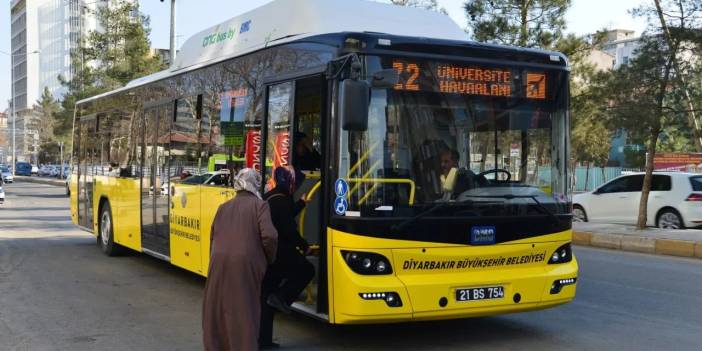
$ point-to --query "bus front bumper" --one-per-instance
(431, 295)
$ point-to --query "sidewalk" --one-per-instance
(685, 243)
(39, 180)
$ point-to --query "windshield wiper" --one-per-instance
(538, 203)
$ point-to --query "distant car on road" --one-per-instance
(23, 169)
(35, 170)
(44, 170)
(675, 201)
(220, 177)
(6, 174)
(2, 194)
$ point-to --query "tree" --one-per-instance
(526, 23)
(640, 103)
(121, 48)
(107, 59)
(425, 4)
(686, 19)
(651, 93)
(43, 116)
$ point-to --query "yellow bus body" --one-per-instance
(420, 290)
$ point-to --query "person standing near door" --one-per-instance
(244, 242)
(291, 272)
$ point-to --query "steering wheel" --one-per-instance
(496, 170)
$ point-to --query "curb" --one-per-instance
(643, 244)
(54, 182)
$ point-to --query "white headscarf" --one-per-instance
(248, 179)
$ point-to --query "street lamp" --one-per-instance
(172, 48)
(14, 105)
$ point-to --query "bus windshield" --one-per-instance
(489, 139)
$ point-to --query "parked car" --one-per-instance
(44, 171)
(675, 201)
(220, 177)
(2, 194)
(23, 169)
(66, 171)
(35, 170)
(6, 174)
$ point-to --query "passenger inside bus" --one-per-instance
(306, 157)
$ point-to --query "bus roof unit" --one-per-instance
(283, 21)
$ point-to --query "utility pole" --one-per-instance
(61, 161)
(172, 48)
(14, 116)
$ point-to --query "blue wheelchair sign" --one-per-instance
(340, 205)
(341, 187)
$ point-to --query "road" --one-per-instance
(59, 292)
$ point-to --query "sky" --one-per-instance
(585, 16)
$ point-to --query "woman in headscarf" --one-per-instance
(244, 242)
(291, 272)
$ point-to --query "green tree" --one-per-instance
(107, 59)
(43, 113)
(121, 49)
(650, 95)
(641, 103)
(526, 23)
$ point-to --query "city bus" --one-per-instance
(440, 187)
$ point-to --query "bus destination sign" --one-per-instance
(469, 80)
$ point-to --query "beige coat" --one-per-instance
(244, 241)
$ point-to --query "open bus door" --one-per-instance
(295, 134)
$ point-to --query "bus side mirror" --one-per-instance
(354, 98)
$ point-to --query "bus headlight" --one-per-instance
(367, 263)
(562, 255)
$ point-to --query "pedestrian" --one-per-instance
(243, 243)
(288, 276)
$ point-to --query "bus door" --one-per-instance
(295, 136)
(154, 180)
(85, 171)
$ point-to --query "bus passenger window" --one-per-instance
(307, 142)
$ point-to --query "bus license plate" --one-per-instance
(485, 293)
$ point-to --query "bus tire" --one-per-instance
(105, 237)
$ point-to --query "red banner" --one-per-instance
(253, 149)
(677, 161)
(282, 149)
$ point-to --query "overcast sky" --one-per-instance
(585, 16)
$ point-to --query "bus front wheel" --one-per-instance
(105, 236)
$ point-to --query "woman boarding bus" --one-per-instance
(442, 189)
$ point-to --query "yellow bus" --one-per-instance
(440, 187)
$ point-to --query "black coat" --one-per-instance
(283, 212)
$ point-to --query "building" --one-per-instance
(3, 138)
(43, 34)
(622, 44)
(164, 55)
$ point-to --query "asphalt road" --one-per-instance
(59, 292)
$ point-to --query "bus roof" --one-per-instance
(284, 21)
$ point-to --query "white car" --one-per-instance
(2, 194)
(6, 174)
(675, 201)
